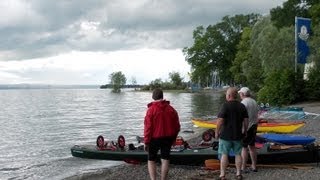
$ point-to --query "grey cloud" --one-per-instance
(54, 27)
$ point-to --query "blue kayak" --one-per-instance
(288, 139)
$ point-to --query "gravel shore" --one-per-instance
(140, 172)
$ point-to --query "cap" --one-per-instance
(244, 90)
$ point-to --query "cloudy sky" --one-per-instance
(83, 41)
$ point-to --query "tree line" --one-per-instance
(258, 51)
(252, 50)
(118, 80)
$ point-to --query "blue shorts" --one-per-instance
(225, 147)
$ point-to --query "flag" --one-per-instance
(302, 34)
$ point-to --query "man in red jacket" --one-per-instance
(161, 128)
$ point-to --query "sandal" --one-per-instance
(222, 178)
(253, 170)
(239, 177)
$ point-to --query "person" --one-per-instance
(232, 124)
(161, 128)
(249, 141)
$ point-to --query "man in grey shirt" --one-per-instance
(249, 140)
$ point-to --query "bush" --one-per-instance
(279, 88)
(312, 89)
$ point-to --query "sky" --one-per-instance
(82, 42)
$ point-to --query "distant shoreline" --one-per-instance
(46, 86)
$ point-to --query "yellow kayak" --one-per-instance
(276, 127)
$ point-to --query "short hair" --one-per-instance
(157, 94)
(232, 91)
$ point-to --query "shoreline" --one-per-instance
(183, 172)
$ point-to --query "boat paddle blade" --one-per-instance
(212, 164)
(132, 161)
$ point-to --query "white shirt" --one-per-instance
(253, 110)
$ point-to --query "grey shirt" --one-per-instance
(253, 109)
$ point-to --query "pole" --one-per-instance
(296, 44)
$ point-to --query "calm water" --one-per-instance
(38, 127)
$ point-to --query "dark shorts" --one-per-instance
(162, 144)
(250, 139)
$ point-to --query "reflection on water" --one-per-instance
(38, 127)
(206, 104)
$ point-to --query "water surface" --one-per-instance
(39, 126)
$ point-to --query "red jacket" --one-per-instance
(161, 120)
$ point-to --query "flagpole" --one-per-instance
(296, 45)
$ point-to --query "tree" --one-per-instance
(243, 54)
(117, 80)
(176, 79)
(157, 83)
(285, 16)
(214, 48)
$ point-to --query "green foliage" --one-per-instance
(314, 46)
(285, 16)
(176, 83)
(156, 84)
(273, 47)
(279, 89)
(176, 79)
(243, 54)
(214, 48)
(313, 84)
(314, 12)
(117, 80)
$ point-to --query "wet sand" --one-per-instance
(140, 172)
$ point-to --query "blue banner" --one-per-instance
(303, 29)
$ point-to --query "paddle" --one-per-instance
(214, 164)
(282, 147)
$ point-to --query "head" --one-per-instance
(231, 94)
(244, 92)
(157, 94)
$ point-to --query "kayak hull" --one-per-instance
(289, 139)
(198, 156)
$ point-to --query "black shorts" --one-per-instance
(162, 144)
(250, 139)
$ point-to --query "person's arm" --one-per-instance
(218, 129)
(245, 122)
(147, 130)
(245, 126)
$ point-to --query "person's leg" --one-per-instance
(252, 148)
(165, 148)
(238, 160)
(152, 168)
(164, 168)
(224, 162)
(223, 151)
(237, 148)
(152, 157)
(244, 155)
(253, 156)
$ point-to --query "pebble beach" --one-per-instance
(179, 172)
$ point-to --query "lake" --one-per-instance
(39, 126)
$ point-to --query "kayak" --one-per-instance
(289, 139)
(263, 126)
(282, 112)
(197, 156)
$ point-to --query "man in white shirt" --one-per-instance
(249, 140)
